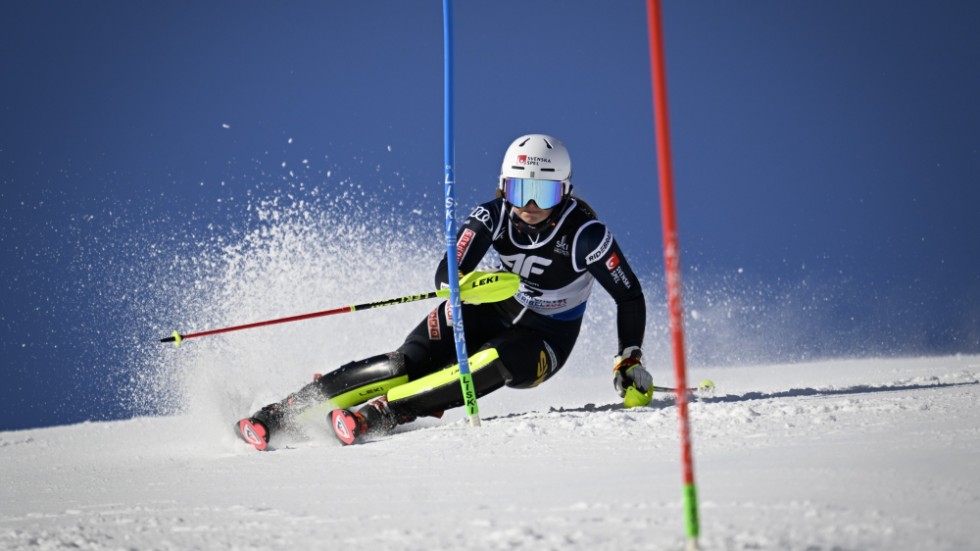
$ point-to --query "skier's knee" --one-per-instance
(524, 372)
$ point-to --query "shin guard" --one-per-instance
(441, 390)
(362, 380)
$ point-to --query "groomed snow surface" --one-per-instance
(842, 455)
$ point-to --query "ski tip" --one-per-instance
(345, 426)
(254, 433)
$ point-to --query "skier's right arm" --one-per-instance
(473, 240)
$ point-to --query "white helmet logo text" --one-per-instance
(532, 161)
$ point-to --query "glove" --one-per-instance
(631, 380)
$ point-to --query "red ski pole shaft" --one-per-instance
(474, 288)
(176, 337)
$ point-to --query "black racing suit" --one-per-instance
(532, 333)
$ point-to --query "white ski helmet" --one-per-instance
(537, 156)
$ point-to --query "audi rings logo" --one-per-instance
(482, 215)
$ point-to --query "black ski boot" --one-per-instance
(376, 417)
(257, 429)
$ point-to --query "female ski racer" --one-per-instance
(554, 242)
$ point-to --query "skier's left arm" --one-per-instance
(603, 258)
(473, 240)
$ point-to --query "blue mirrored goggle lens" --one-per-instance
(521, 191)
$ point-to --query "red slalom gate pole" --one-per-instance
(672, 263)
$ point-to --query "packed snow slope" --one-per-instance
(873, 454)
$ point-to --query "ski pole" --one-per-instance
(704, 385)
(634, 398)
(475, 288)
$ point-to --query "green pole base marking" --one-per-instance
(177, 339)
(691, 511)
(469, 394)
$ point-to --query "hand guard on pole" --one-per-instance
(631, 380)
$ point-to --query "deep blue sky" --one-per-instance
(826, 155)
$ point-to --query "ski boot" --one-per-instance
(376, 417)
(257, 429)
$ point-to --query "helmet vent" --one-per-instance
(546, 142)
(547, 170)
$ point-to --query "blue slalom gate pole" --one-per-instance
(465, 377)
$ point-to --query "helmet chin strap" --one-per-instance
(536, 230)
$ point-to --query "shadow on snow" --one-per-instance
(703, 397)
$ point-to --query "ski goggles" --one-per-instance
(521, 191)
